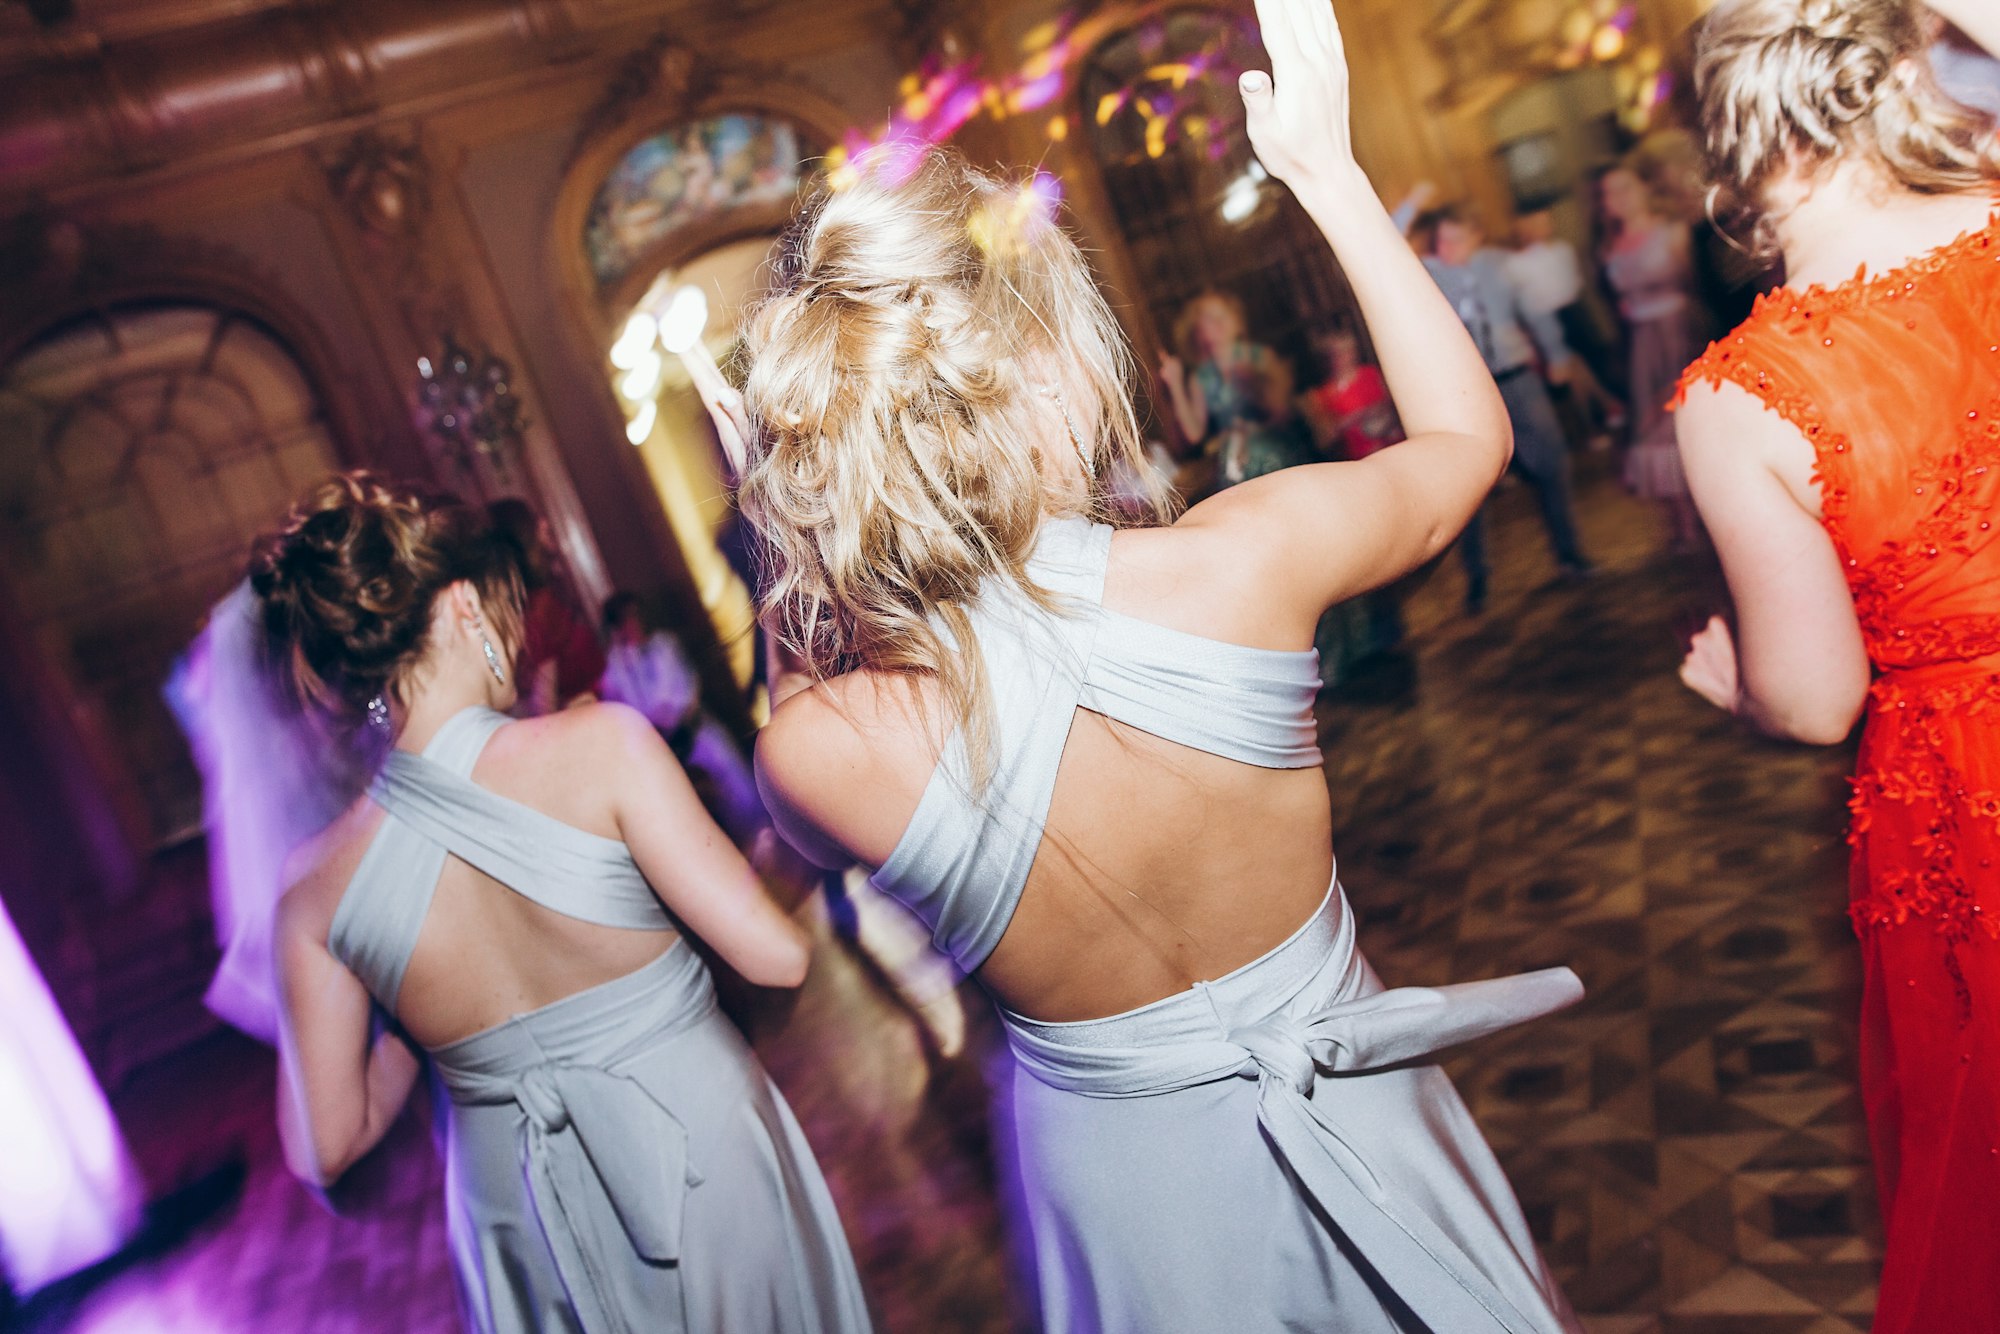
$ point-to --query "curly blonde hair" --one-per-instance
(932, 334)
(1790, 85)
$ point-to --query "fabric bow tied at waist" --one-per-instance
(1391, 1027)
(591, 1132)
(594, 1142)
(1286, 1053)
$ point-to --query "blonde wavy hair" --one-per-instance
(1791, 85)
(932, 335)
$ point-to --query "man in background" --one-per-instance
(1474, 279)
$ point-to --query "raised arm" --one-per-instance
(1798, 666)
(690, 863)
(1185, 398)
(1327, 531)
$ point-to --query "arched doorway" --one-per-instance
(142, 447)
(695, 205)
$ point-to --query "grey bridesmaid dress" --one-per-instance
(617, 1160)
(1264, 1152)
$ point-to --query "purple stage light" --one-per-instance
(69, 1195)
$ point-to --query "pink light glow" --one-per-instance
(69, 1195)
(941, 98)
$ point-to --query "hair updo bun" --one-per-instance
(347, 583)
(1795, 84)
(932, 336)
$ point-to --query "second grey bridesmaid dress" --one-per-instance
(617, 1160)
(1267, 1152)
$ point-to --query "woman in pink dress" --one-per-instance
(1648, 264)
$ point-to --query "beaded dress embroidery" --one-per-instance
(1895, 381)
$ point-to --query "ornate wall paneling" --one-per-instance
(412, 255)
(161, 400)
(181, 84)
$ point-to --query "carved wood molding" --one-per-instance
(663, 78)
(382, 183)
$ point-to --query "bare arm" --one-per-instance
(691, 864)
(1977, 19)
(1185, 397)
(1798, 666)
(1327, 531)
(338, 1092)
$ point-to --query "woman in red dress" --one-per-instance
(1351, 415)
(1843, 446)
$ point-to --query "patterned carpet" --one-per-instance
(1533, 787)
(1687, 1142)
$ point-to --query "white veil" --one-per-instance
(271, 778)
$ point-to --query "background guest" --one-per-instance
(561, 659)
(1549, 277)
(1647, 262)
(1474, 279)
(646, 669)
(1231, 397)
(1352, 416)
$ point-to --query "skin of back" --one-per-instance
(486, 953)
(1162, 866)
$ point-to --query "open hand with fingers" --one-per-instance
(1297, 115)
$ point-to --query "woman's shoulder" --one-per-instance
(843, 763)
(579, 739)
(317, 871)
(840, 722)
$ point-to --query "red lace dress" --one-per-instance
(1896, 382)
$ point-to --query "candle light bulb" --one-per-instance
(634, 341)
(684, 319)
(641, 426)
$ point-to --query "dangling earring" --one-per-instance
(1075, 436)
(378, 714)
(492, 658)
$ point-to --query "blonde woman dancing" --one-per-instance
(1087, 758)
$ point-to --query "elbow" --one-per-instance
(1827, 729)
(318, 1167)
(784, 966)
(1823, 722)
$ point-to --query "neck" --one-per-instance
(436, 702)
(1817, 231)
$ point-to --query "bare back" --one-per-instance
(1161, 865)
(486, 952)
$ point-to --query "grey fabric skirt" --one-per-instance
(1271, 1152)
